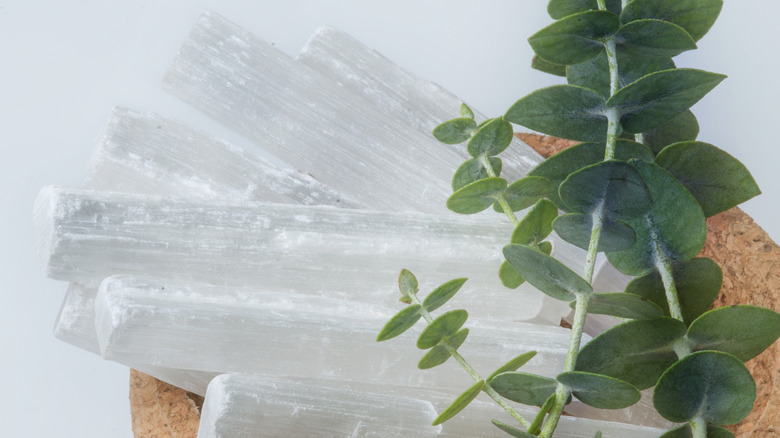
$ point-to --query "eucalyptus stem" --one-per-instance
(664, 266)
(472, 372)
(485, 161)
(593, 246)
(699, 427)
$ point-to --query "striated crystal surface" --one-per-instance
(227, 329)
(310, 122)
(86, 235)
(416, 102)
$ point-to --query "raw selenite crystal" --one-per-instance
(417, 102)
(243, 405)
(262, 406)
(227, 329)
(304, 118)
(141, 152)
(86, 235)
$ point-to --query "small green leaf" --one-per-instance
(623, 305)
(559, 166)
(545, 247)
(600, 391)
(744, 331)
(698, 284)
(718, 432)
(491, 138)
(442, 294)
(439, 354)
(472, 170)
(511, 430)
(545, 273)
(509, 277)
(710, 384)
(536, 426)
(563, 8)
(407, 283)
(594, 73)
(525, 192)
(537, 223)
(682, 127)
(477, 196)
(675, 224)
(565, 111)
(461, 402)
(513, 364)
(614, 184)
(444, 326)
(654, 38)
(695, 16)
(400, 322)
(465, 111)
(716, 179)
(528, 389)
(540, 64)
(597, 435)
(637, 352)
(576, 228)
(659, 97)
(455, 131)
(685, 431)
(575, 38)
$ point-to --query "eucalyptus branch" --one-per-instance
(501, 198)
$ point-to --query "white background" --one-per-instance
(65, 63)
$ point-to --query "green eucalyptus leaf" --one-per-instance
(594, 73)
(600, 391)
(654, 38)
(407, 283)
(509, 277)
(674, 224)
(461, 402)
(563, 8)
(637, 352)
(528, 389)
(716, 179)
(525, 192)
(685, 431)
(698, 283)
(660, 96)
(513, 364)
(597, 435)
(565, 111)
(744, 331)
(465, 111)
(614, 187)
(439, 354)
(537, 223)
(695, 16)
(445, 325)
(442, 294)
(491, 138)
(682, 127)
(575, 38)
(537, 63)
(477, 196)
(545, 273)
(455, 131)
(536, 425)
(472, 170)
(710, 384)
(512, 431)
(559, 166)
(623, 305)
(400, 322)
(576, 229)
(545, 247)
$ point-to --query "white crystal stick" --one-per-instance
(225, 329)
(302, 117)
(140, 152)
(260, 406)
(86, 235)
(415, 101)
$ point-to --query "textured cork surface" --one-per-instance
(751, 275)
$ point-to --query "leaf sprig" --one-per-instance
(638, 189)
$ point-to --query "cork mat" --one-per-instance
(751, 275)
